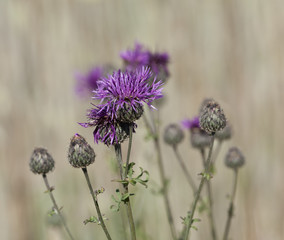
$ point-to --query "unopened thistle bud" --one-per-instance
(173, 134)
(212, 118)
(199, 138)
(128, 114)
(41, 161)
(225, 133)
(80, 153)
(234, 158)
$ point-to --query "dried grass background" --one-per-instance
(230, 50)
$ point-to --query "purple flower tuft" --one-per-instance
(159, 62)
(138, 57)
(88, 82)
(122, 96)
(191, 123)
(135, 58)
(127, 89)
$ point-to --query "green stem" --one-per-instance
(96, 203)
(117, 148)
(56, 206)
(206, 172)
(129, 150)
(231, 207)
(217, 151)
(165, 188)
(185, 171)
(210, 198)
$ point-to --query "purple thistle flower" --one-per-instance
(139, 57)
(88, 82)
(122, 96)
(158, 63)
(128, 90)
(191, 123)
(135, 58)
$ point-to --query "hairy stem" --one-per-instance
(56, 206)
(204, 177)
(129, 150)
(125, 187)
(96, 203)
(210, 198)
(231, 207)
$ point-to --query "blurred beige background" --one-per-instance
(230, 50)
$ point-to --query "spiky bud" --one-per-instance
(129, 114)
(199, 138)
(41, 161)
(234, 158)
(80, 153)
(173, 134)
(225, 133)
(212, 118)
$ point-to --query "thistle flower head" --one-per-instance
(139, 56)
(135, 58)
(127, 92)
(158, 63)
(173, 134)
(234, 158)
(86, 83)
(212, 117)
(80, 153)
(121, 96)
(41, 161)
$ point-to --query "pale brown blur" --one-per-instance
(230, 50)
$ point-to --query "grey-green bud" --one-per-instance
(225, 133)
(173, 134)
(212, 118)
(234, 158)
(199, 138)
(80, 153)
(41, 161)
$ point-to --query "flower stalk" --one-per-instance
(210, 198)
(49, 190)
(231, 207)
(203, 179)
(117, 148)
(84, 169)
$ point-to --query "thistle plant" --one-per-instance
(122, 96)
(42, 162)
